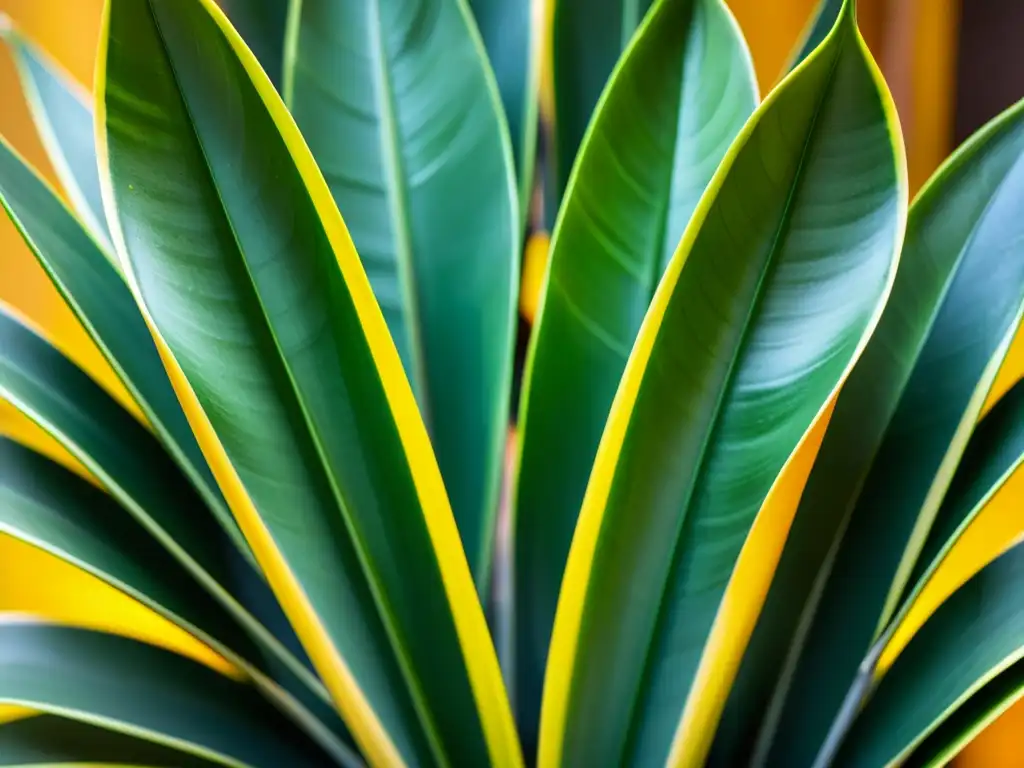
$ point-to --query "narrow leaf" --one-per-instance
(750, 334)
(51, 740)
(975, 635)
(900, 427)
(130, 687)
(818, 27)
(94, 290)
(681, 95)
(509, 33)
(588, 38)
(62, 111)
(267, 325)
(261, 23)
(402, 115)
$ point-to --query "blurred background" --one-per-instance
(951, 64)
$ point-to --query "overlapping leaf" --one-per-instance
(680, 96)
(402, 115)
(269, 330)
(899, 429)
(796, 240)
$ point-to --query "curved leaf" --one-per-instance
(96, 293)
(49, 507)
(509, 34)
(401, 113)
(779, 280)
(900, 427)
(62, 113)
(131, 465)
(975, 635)
(588, 37)
(281, 357)
(51, 740)
(130, 687)
(683, 91)
(818, 27)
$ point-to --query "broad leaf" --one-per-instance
(281, 358)
(683, 91)
(94, 290)
(61, 109)
(509, 33)
(402, 116)
(51, 740)
(899, 429)
(131, 687)
(975, 635)
(588, 38)
(779, 280)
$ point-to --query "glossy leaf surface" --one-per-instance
(976, 634)
(262, 24)
(900, 427)
(94, 290)
(681, 95)
(401, 113)
(509, 33)
(62, 113)
(796, 238)
(588, 38)
(280, 355)
(131, 687)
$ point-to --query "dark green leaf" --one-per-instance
(824, 19)
(682, 93)
(62, 111)
(262, 24)
(94, 290)
(131, 687)
(509, 32)
(779, 280)
(588, 38)
(897, 434)
(234, 247)
(976, 634)
(402, 116)
(50, 740)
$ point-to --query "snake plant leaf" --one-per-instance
(818, 26)
(509, 34)
(62, 112)
(993, 454)
(900, 427)
(588, 37)
(50, 507)
(130, 687)
(971, 718)
(717, 395)
(133, 467)
(50, 740)
(681, 95)
(93, 288)
(402, 115)
(280, 355)
(262, 24)
(971, 638)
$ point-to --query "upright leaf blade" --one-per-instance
(900, 427)
(588, 38)
(62, 113)
(267, 325)
(401, 113)
(262, 24)
(818, 27)
(681, 95)
(748, 338)
(509, 33)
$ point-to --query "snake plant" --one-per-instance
(760, 416)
